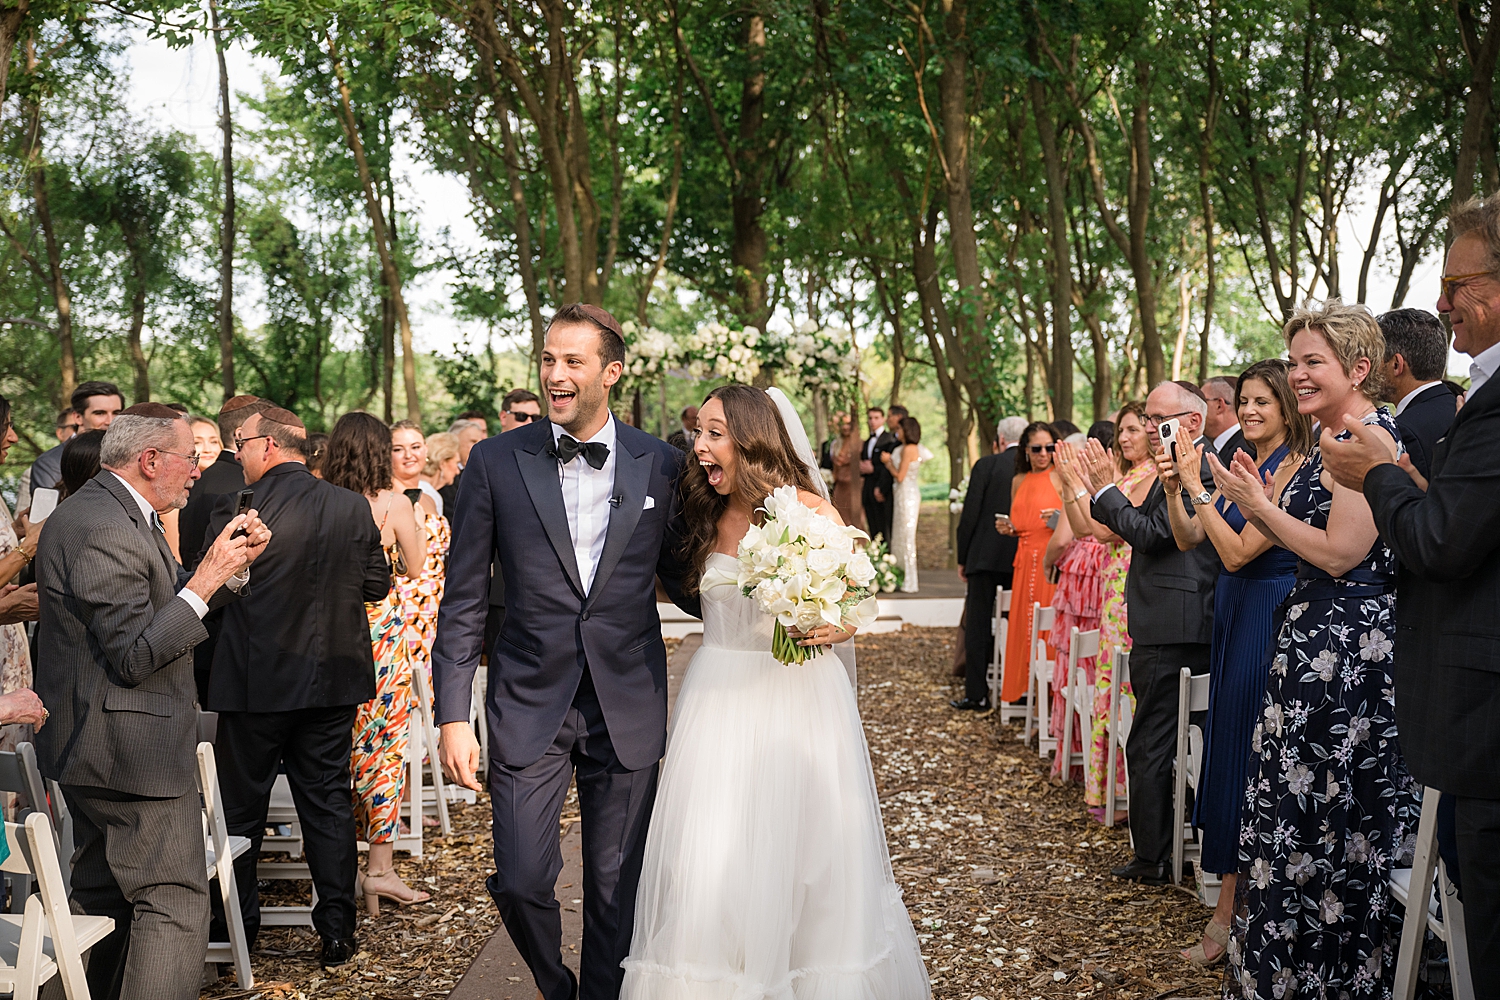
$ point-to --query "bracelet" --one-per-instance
(1080, 494)
(1170, 493)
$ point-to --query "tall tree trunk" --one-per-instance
(380, 233)
(226, 221)
(11, 20)
(1057, 236)
(669, 215)
(1184, 315)
(751, 243)
(67, 364)
(133, 338)
(387, 350)
(1482, 51)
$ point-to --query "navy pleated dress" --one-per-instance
(1245, 604)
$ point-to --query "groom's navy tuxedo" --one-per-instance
(577, 679)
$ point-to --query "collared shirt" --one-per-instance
(586, 494)
(1483, 367)
(437, 498)
(199, 606)
(1223, 439)
(1406, 399)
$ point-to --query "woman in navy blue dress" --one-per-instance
(1256, 578)
(1329, 808)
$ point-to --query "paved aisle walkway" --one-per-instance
(498, 973)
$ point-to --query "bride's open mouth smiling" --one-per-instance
(714, 472)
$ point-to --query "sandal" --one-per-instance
(1219, 935)
(373, 896)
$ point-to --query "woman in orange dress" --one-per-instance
(1035, 494)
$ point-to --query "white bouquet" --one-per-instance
(803, 568)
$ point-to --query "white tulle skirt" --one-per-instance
(766, 873)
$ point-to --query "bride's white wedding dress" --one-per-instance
(766, 874)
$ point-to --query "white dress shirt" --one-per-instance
(1406, 399)
(1223, 439)
(437, 498)
(1483, 367)
(586, 493)
(200, 608)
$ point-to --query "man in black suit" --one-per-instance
(519, 408)
(584, 512)
(1447, 541)
(1222, 425)
(1416, 358)
(985, 557)
(1171, 599)
(292, 663)
(118, 618)
(875, 492)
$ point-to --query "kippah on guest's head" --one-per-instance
(277, 415)
(239, 402)
(157, 411)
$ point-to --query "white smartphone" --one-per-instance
(1167, 432)
(43, 503)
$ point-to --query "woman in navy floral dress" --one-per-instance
(1329, 807)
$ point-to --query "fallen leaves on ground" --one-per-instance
(1004, 874)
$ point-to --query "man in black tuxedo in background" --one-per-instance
(876, 489)
(519, 408)
(1416, 358)
(1222, 425)
(1447, 541)
(986, 558)
(292, 663)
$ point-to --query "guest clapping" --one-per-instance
(1256, 578)
(1329, 804)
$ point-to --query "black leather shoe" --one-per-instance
(967, 705)
(1143, 872)
(337, 952)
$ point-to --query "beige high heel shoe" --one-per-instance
(1219, 935)
(373, 896)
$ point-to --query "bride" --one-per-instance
(766, 875)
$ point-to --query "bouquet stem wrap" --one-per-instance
(786, 649)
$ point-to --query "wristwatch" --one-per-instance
(1201, 499)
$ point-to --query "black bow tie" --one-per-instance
(596, 453)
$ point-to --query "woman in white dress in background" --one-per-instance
(766, 874)
(903, 463)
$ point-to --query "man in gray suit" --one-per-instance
(1170, 594)
(119, 620)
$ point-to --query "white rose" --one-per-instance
(824, 562)
(860, 569)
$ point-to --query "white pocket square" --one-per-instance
(650, 503)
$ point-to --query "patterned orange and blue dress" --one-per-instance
(402, 628)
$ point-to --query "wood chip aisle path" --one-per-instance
(1003, 873)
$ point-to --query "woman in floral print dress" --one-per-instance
(1329, 806)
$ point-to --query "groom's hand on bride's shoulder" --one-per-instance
(458, 751)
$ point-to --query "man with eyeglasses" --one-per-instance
(517, 409)
(1170, 594)
(1445, 532)
(119, 619)
(292, 662)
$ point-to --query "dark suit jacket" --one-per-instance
(1424, 420)
(882, 478)
(224, 476)
(1170, 593)
(1448, 601)
(511, 505)
(302, 640)
(114, 653)
(1235, 443)
(982, 549)
(449, 494)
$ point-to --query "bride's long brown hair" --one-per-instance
(767, 460)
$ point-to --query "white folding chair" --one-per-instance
(283, 812)
(437, 794)
(1121, 714)
(220, 850)
(1449, 927)
(1039, 681)
(47, 939)
(1078, 704)
(1000, 630)
(479, 720)
(1192, 696)
(19, 775)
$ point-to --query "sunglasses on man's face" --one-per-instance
(1037, 449)
(524, 418)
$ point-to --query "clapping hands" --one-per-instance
(1242, 483)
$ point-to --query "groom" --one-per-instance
(583, 513)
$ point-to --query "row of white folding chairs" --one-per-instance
(1443, 914)
(1039, 682)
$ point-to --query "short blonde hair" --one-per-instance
(440, 448)
(1351, 331)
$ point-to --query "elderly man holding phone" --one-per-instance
(1170, 594)
(119, 620)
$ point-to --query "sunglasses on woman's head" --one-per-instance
(1037, 449)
